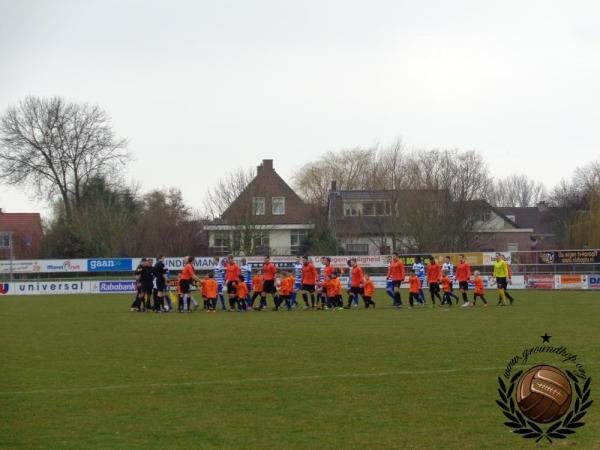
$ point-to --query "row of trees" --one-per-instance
(116, 221)
(463, 174)
(436, 194)
(71, 156)
(574, 203)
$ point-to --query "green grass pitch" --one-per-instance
(82, 372)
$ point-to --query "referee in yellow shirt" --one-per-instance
(501, 275)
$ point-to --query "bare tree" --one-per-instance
(350, 168)
(516, 191)
(57, 146)
(226, 190)
(576, 207)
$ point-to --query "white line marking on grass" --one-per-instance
(235, 381)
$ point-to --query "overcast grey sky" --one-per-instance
(201, 87)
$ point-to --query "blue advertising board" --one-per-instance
(116, 286)
(594, 281)
(109, 265)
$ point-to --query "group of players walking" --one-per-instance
(236, 288)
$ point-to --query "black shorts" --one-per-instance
(308, 287)
(434, 287)
(230, 287)
(160, 286)
(501, 283)
(357, 290)
(396, 283)
(147, 288)
(269, 287)
(464, 285)
(185, 286)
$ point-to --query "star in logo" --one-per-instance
(545, 338)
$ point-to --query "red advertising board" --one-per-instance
(540, 281)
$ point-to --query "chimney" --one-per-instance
(259, 169)
(333, 186)
(542, 206)
(267, 164)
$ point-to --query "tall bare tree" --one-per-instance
(57, 147)
(576, 207)
(349, 167)
(516, 191)
(226, 190)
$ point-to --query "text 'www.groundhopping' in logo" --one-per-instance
(548, 400)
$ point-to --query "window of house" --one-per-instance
(383, 209)
(278, 206)
(297, 238)
(376, 209)
(368, 209)
(512, 247)
(258, 206)
(357, 249)
(5, 240)
(351, 209)
(221, 242)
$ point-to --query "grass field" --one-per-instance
(81, 372)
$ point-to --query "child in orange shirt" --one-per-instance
(414, 288)
(212, 291)
(257, 287)
(334, 292)
(479, 289)
(286, 287)
(202, 286)
(241, 293)
(446, 288)
(369, 291)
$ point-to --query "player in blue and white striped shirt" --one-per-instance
(297, 281)
(419, 269)
(321, 297)
(246, 272)
(449, 267)
(219, 271)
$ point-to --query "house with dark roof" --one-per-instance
(25, 231)
(268, 217)
(542, 219)
(379, 222)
